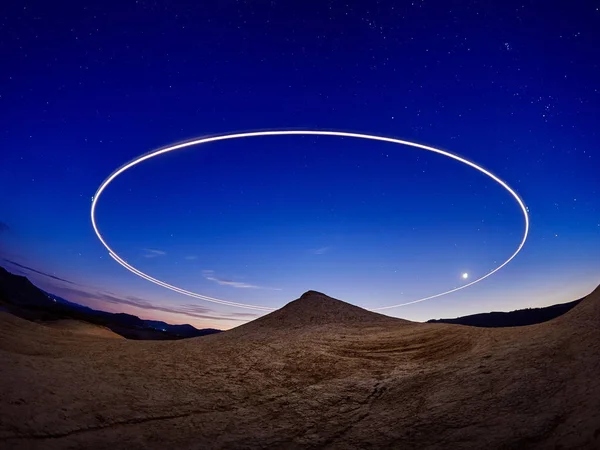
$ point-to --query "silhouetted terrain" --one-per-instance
(518, 318)
(22, 298)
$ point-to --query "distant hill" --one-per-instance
(518, 318)
(182, 330)
(22, 298)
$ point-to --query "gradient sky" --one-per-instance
(512, 86)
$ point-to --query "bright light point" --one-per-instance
(465, 275)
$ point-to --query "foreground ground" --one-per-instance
(318, 373)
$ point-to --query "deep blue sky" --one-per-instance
(513, 86)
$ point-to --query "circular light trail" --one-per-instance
(205, 140)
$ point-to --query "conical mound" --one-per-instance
(316, 309)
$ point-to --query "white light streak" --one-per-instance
(205, 140)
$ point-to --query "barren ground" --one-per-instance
(317, 373)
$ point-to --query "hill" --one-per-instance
(517, 318)
(315, 309)
(22, 298)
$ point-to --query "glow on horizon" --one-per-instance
(205, 140)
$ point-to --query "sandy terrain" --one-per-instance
(317, 373)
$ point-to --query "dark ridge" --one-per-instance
(517, 318)
(22, 298)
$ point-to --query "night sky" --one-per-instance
(512, 86)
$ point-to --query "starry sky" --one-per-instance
(512, 86)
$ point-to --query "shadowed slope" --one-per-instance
(19, 289)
